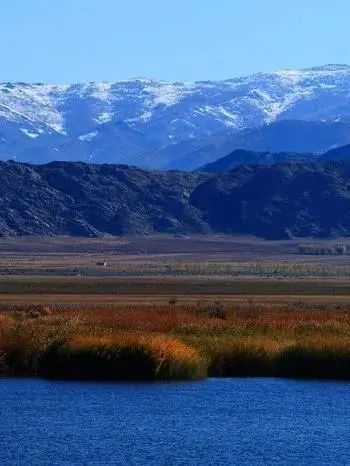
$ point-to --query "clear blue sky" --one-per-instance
(63, 41)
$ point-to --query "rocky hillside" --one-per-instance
(89, 200)
(279, 201)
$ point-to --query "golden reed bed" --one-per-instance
(176, 341)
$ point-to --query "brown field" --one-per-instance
(156, 268)
(208, 256)
(172, 307)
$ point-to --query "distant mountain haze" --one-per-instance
(158, 124)
(244, 157)
(291, 136)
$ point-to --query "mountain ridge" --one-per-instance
(78, 199)
(245, 157)
(49, 119)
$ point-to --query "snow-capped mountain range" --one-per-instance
(130, 121)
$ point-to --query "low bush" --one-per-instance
(307, 361)
(122, 357)
(240, 360)
(214, 310)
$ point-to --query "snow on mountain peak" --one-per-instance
(46, 115)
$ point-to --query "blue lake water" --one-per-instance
(214, 422)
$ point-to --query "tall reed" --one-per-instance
(176, 341)
(122, 356)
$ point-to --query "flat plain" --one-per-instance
(172, 307)
(158, 268)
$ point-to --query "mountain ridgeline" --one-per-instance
(278, 201)
(266, 154)
(164, 125)
(241, 156)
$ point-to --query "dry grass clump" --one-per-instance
(241, 357)
(123, 356)
(26, 335)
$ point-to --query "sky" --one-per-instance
(65, 41)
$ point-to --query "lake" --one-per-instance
(214, 422)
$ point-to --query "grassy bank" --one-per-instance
(175, 341)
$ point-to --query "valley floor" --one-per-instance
(171, 308)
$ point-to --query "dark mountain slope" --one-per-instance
(241, 156)
(275, 201)
(82, 199)
(340, 153)
(278, 201)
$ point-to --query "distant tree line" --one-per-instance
(322, 250)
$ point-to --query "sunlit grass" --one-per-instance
(122, 356)
(176, 341)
